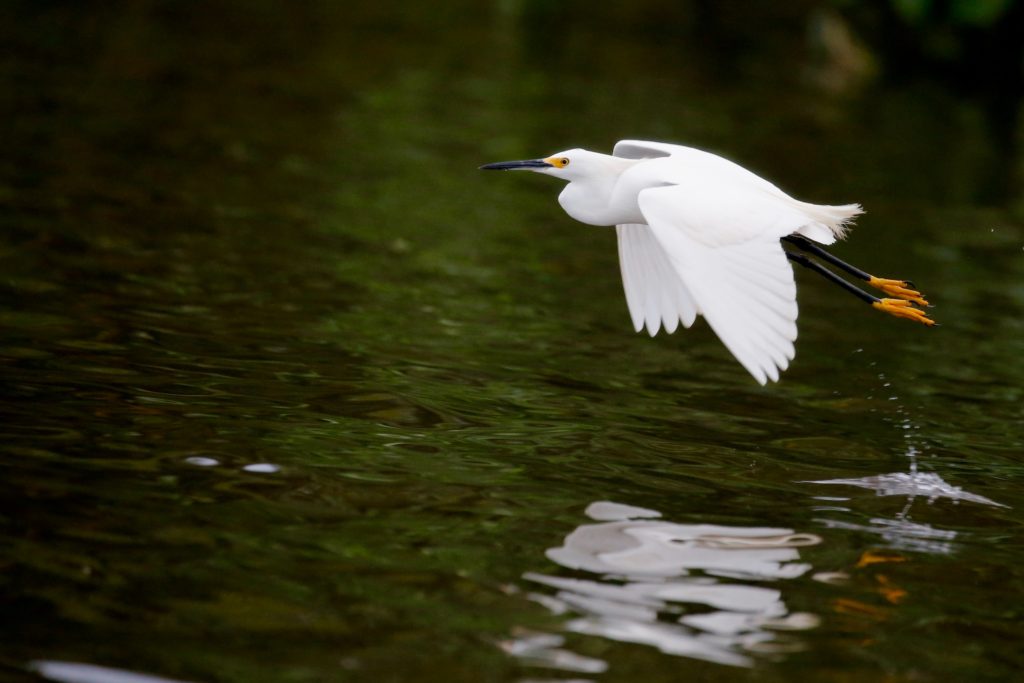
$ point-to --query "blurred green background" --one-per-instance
(253, 233)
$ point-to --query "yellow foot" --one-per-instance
(901, 289)
(902, 308)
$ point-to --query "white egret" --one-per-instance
(699, 234)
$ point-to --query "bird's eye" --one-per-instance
(563, 162)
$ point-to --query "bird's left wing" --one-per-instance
(644, 149)
(727, 253)
(682, 165)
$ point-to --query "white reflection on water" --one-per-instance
(545, 649)
(77, 672)
(902, 534)
(662, 584)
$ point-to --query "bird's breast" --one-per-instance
(601, 206)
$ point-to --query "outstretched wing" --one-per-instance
(654, 292)
(727, 253)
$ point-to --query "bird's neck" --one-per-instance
(590, 200)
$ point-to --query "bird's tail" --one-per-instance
(831, 223)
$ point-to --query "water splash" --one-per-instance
(913, 484)
(901, 532)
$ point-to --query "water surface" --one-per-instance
(291, 392)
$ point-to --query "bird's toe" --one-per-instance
(899, 289)
(902, 308)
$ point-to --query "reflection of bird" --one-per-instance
(699, 234)
(722, 586)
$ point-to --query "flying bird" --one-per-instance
(701, 235)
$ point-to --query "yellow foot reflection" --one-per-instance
(901, 289)
(902, 308)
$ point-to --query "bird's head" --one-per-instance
(571, 164)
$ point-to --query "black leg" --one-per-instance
(901, 289)
(900, 308)
(804, 244)
(830, 276)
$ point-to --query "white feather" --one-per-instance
(654, 291)
(697, 234)
(744, 285)
(819, 222)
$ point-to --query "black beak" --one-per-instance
(515, 165)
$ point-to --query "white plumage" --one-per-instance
(697, 234)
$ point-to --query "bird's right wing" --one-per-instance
(654, 292)
(727, 253)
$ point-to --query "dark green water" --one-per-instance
(254, 235)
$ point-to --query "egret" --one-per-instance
(699, 234)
